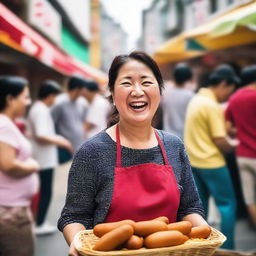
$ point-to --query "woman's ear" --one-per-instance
(9, 99)
(112, 96)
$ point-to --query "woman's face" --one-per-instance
(20, 103)
(136, 93)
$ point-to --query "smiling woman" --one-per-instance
(131, 170)
(135, 87)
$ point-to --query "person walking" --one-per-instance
(241, 117)
(176, 99)
(98, 110)
(69, 116)
(18, 171)
(205, 140)
(44, 143)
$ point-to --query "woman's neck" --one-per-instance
(139, 137)
(8, 114)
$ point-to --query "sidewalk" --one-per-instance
(56, 245)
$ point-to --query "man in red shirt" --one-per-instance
(241, 116)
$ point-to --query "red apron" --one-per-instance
(145, 191)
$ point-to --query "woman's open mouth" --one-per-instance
(138, 105)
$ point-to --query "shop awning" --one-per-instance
(175, 50)
(235, 27)
(18, 35)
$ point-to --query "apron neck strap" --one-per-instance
(118, 148)
(162, 148)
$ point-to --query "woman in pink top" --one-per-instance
(18, 178)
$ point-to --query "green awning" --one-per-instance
(245, 17)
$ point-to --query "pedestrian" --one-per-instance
(18, 171)
(44, 143)
(241, 117)
(154, 174)
(69, 117)
(205, 140)
(176, 99)
(98, 110)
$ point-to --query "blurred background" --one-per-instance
(55, 39)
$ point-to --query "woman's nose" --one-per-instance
(137, 90)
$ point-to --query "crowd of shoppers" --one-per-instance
(28, 153)
(44, 144)
(212, 133)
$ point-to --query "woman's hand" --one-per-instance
(32, 165)
(63, 142)
(69, 233)
(72, 250)
(195, 219)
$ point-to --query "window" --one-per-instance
(213, 6)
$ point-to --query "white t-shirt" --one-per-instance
(97, 115)
(41, 124)
(174, 102)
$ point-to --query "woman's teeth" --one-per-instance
(138, 105)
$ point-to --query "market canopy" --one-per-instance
(18, 35)
(175, 50)
(233, 28)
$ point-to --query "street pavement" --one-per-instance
(55, 245)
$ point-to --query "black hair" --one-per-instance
(182, 73)
(248, 75)
(91, 85)
(47, 88)
(215, 80)
(10, 86)
(223, 72)
(75, 82)
(118, 62)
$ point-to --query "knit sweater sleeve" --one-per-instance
(189, 197)
(80, 205)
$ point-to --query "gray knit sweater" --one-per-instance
(91, 178)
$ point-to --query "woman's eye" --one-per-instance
(126, 83)
(147, 83)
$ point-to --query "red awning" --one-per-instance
(17, 34)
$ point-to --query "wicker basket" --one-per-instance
(85, 240)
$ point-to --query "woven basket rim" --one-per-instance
(190, 244)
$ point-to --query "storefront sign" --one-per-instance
(45, 18)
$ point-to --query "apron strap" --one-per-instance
(162, 148)
(118, 148)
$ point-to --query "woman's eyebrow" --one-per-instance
(126, 77)
(145, 77)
